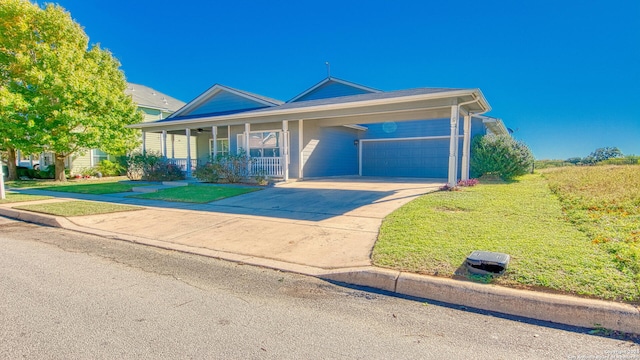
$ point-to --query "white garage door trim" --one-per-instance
(360, 142)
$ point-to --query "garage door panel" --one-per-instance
(406, 158)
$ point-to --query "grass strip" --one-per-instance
(435, 233)
(77, 208)
(95, 188)
(198, 194)
(12, 197)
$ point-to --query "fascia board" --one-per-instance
(396, 100)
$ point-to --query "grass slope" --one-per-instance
(77, 208)
(15, 197)
(435, 233)
(199, 194)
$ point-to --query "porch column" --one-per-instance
(453, 145)
(466, 147)
(300, 149)
(247, 130)
(188, 133)
(144, 142)
(214, 137)
(285, 148)
(173, 146)
(164, 143)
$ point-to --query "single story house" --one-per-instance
(334, 128)
(154, 106)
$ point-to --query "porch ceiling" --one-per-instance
(423, 107)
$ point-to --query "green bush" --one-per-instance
(152, 167)
(110, 168)
(500, 155)
(209, 172)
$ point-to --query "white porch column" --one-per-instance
(144, 142)
(188, 133)
(285, 149)
(466, 147)
(164, 143)
(247, 130)
(453, 145)
(214, 137)
(173, 146)
(2, 193)
(300, 149)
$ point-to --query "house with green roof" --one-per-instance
(333, 128)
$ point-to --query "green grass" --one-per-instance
(77, 208)
(435, 233)
(199, 194)
(604, 203)
(94, 188)
(12, 197)
(39, 183)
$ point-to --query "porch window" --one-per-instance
(264, 144)
(222, 144)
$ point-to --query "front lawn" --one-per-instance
(199, 194)
(77, 208)
(435, 233)
(97, 188)
(12, 197)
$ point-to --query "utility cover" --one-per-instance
(487, 263)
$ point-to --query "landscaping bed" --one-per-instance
(435, 233)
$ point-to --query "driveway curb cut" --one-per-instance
(561, 309)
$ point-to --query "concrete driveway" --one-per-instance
(325, 223)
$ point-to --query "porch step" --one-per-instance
(148, 189)
(175, 183)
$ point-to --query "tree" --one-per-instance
(500, 155)
(602, 154)
(72, 95)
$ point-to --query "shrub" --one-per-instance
(152, 167)
(500, 155)
(468, 183)
(48, 172)
(110, 168)
(209, 172)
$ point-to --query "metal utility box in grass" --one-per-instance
(487, 263)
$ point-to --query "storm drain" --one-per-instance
(487, 263)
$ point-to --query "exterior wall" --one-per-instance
(80, 162)
(225, 102)
(329, 151)
(332, 89)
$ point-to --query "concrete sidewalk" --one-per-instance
(321, 229)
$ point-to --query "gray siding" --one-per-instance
(224, 102)
(329, 151)
(332, 89)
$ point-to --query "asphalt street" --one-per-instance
(69, 295)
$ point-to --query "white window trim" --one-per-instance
(211, 145)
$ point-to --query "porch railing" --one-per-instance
(269, 166)
(182, 163)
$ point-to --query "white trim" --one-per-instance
(300, 147)
(357, 127)
(218, 151)
(466, 147)
(188, 137)
(479, 98)
(164, 143)
(452, 178)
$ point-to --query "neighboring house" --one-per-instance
(334, 128)
(153, 104)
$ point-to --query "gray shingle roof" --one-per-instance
(145, 96)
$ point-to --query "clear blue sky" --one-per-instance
(565, 75)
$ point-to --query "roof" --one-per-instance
(339, 100)
(147, 97)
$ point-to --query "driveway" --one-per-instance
(325, 223)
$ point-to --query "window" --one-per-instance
(222, 145)
(264, 144)
(97, 156)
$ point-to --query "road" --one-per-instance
(70, 295)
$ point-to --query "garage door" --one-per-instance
(406, 158)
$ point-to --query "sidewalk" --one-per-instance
(335, 248)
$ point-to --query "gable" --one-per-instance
(223, 102)
(332, 87)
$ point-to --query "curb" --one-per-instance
(562, 309)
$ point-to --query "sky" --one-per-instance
(563, 74)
